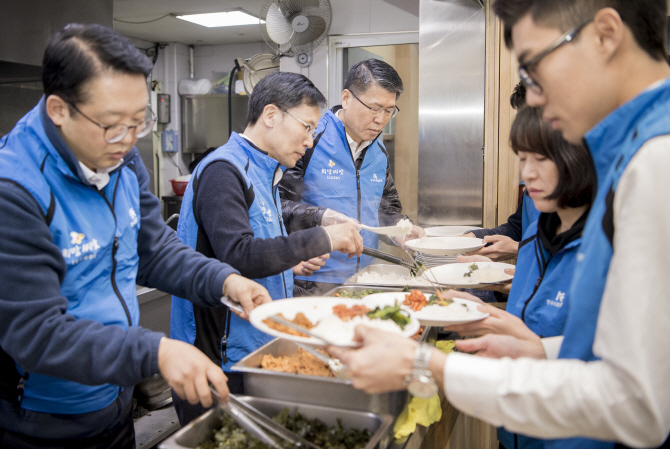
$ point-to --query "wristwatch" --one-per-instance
(421, 383)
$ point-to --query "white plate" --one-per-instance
(445, 246)
(452, 275)
(436, 315)
(449, 231)
(316, 309)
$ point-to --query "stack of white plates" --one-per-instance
(432, 260)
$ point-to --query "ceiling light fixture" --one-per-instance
(221, 19)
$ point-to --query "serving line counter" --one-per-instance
(331, 397)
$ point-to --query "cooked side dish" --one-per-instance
(347, 313)
(416, 300)
(231, 436)
(300, 319)
(301, 362)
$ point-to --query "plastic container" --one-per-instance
(179, 187)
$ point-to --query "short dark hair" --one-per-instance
(576, 172)
(647, 19)
(285, 90)
(79, 53)
(373, 71)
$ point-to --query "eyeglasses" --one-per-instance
(526, 68)
(116, 133)
(309, 130)
(388, 113)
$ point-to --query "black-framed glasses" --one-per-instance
(388, 113)
(310, 131)
(527, 67)
(116, 133)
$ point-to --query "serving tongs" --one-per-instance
(257, 423)
(339, 369)
(414, 266)
(235, 306)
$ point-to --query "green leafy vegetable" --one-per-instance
(472, 269)
(231, 436)
(435, 300)
(407, 288)
(393, 313)
(357, 295)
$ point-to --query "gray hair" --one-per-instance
(373, 71)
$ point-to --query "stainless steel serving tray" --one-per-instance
(202, 428)
(384, 269)
(355, 288)
(318, 390)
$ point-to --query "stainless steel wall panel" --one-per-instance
(205, 120)
(452, 39)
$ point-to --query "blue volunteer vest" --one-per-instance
(612, 143)
(258, 170)
(331, 180)
(544, 309)
(86, 224)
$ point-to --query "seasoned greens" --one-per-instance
(231, 436)
(357, 295)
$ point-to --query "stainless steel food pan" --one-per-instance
(326, 391)
(383, 269)
(202, 428)
(360, 287)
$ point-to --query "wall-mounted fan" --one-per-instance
(295, 26)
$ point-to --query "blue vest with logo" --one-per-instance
(258, 170)
(331, 180)
(543, 308)
(612, 143)
(96, 232)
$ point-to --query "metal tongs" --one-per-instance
(414, 266)
(257, 423)
(339, 369)
(232, 305)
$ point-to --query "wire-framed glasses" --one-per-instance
(526, 68)
(389, 113)
(309, 130)
(116, 133)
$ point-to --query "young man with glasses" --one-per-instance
(231, 211)
(599, 70)
(345, 175)
(80, 229)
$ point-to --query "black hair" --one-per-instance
(79, 53)
(373, 71)
(285, 90)
(576, 172)
(647, 19)
(518, 97)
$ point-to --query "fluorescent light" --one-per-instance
(221, 19)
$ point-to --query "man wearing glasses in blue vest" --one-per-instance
(345, 175)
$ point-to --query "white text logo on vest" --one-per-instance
(80, 251)
(558, 302)
(376, 179)
(267, 213)
(133, 216)
(331, 173)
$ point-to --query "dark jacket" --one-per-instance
(71, 256)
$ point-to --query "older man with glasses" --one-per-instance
(345, 175)
(79, 230)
